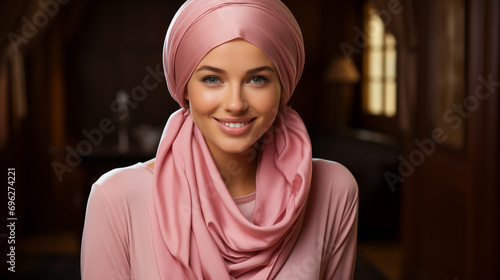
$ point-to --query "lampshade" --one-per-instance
(342, 70)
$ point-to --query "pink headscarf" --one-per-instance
(198, 230)
(199, 26)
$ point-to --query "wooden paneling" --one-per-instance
(484, 60)
(450, 212)
(118, 44)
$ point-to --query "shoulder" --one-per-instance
(116, 229)
(123, 185)
(333, 181)
(334, 174)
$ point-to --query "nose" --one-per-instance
(234, 99)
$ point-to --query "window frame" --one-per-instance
(366, 120)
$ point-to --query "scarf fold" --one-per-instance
(199, 231)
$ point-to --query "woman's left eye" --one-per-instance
(258, 80)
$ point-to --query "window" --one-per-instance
(379, 67)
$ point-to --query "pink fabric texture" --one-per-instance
(197, 221)
(117, 239)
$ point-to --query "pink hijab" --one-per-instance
(198, 230)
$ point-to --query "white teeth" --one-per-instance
(234, 125)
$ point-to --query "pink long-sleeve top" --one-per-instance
(117, 239)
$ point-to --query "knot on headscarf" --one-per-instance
(200, 26)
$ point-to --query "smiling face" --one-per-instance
(234, 96)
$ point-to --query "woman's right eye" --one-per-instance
(211, 80)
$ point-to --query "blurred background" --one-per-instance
(404, 93)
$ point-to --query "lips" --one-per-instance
(235, 126)
(233, 122)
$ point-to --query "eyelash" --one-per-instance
(206, 78)
(264, 79)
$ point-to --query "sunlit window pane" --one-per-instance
(374, 28)
(390, 63)
(390, 99)
(375, 98)
(390, 40)
(376, 64)
(380, 67)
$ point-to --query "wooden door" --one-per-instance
(450, 224)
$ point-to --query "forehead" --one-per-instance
(235, 54)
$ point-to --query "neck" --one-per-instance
(238, 170)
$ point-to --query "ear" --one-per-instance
(186, 98)
(186, 95)
(282, 97)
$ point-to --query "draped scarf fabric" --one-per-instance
(198, 230)
(199, 223)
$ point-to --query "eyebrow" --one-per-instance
(220, 71)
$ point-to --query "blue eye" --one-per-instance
(211, 80)
(258, 80)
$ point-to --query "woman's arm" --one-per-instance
(105, 240)
(343, 254)
(343, 202)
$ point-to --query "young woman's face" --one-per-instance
(234, 96)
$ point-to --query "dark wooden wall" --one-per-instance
(450, 224)
(92, 49)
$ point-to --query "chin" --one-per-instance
(234, 148)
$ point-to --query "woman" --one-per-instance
(233, 192)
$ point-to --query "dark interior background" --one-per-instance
(441, 220)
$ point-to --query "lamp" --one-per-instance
(341, 74)
(342, 70)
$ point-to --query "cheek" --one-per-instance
(277, 99)
(269, 104)
(200, 102)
